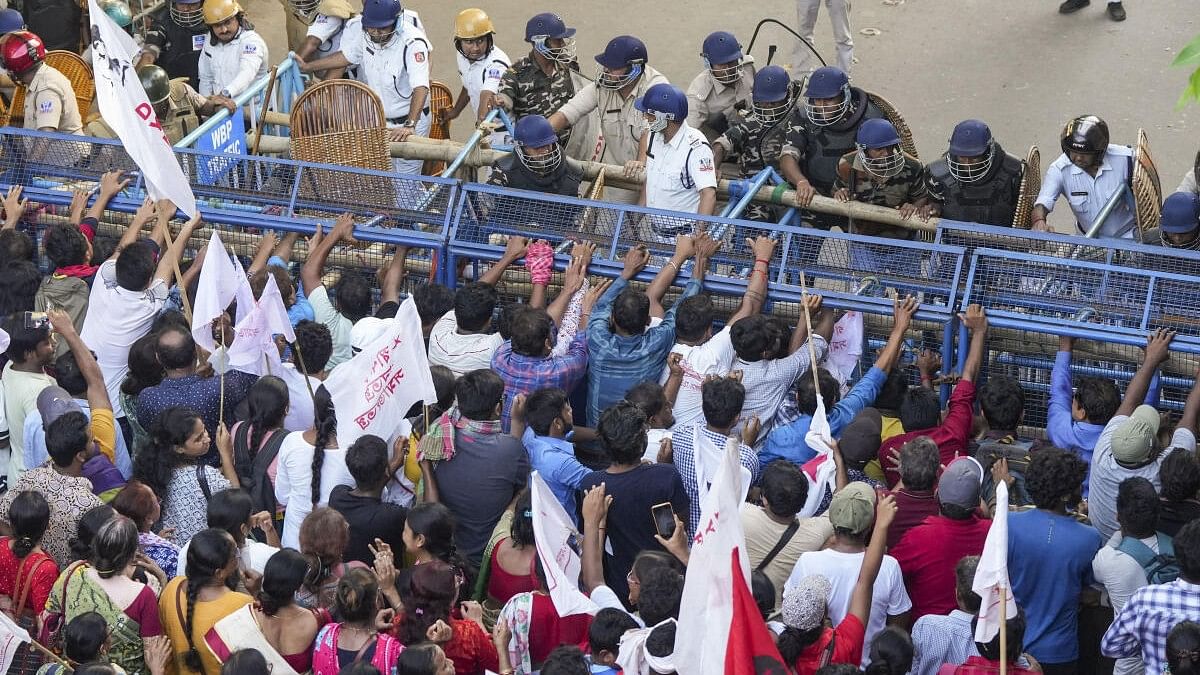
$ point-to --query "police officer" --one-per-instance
(1179, 226)
(393, 59)
(537, 162)
(1088, 172)
(10, 21)
(481, 65)
(975, 181)
(177, 105)
(234, 55)
(757, 139)
(717, 94)
(609, 101)
(820, 133)
(327, 21)
(50, 103)
(680, 174)
(543, 81)
(175, 40)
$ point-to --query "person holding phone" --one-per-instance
(636, 489)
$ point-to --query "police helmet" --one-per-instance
(10, 21)
(118, 11)
(826, 83)
(772, 85)
(1180, 213)
(190, 15)
(156, 82)
(621, 51)
(875, 134)
(666, 102)
(971, 138)
(534, 131)
(1087, 134)
(549, 26)
(719, 48)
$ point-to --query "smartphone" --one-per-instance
(664, 519)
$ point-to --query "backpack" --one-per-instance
(1161, 567)
(1017, 452)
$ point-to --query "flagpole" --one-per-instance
(224, 367)
(300, 358)
(187, 304)
(812, 350)
(1003, 630)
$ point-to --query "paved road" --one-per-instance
(1016, 64)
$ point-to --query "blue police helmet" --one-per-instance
(971, 138)
(622, 51)
(826, 82)
(771, 85)
(1180, 213)
(380, 13)
(664, 99)
(10, 21)
(877, 133)
(721, 47)
(534, 131)
(547, 25)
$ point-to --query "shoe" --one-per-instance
(1072, 6)
(1116, 11)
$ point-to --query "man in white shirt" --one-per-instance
(392, 54)
(1128, 446)
(680, 175)
(481, 66)
(1118, 571)
(234, 55)
(852, 513)
(462, 339)
(311, 274)
(30, 350)
(1088, 173)
(706, 354)
(327, 21)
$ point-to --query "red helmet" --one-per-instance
(21, 50)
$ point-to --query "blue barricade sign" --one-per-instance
(229, 137)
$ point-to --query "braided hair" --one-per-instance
(29, 515)
(208, 553)
(435, 522)
(267, 403)
(325, 424)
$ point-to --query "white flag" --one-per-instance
(11, 638)
(253, 349)
(219, 284)
(992, 574)
(374, 390)
(553, 534)
(125, 108)
(845, 348)
(706, 610)
(274, 311)
(4, 340)
(821, 471)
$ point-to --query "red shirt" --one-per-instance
(928, 555)
(471, 649)
(912, 508)
(847, 647)
(951, 436)
(547, 630)
(34, 574)
(977, 665)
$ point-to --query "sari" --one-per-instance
(85, 595)
(240, 630)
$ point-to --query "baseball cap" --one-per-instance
(961, 483)
(861, 438)
(53, 403)
(804, 604)
(1133, 440)
(1180, 213)
(853, 507)
(364, 332)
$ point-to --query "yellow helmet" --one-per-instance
(471, 24)
(216, 11)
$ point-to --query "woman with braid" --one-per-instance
(191, 605)
(310, 465)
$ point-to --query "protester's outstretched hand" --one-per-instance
(1158, 346)
(112, 183)
(595, 505)
(593, 296)
(974, 318)
(635, 261)
(14, 206)
(903, 312)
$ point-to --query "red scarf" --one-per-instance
(79, 271)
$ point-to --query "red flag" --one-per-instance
(751, 650)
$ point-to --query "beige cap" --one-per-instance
(1133, 440)
(853, 507)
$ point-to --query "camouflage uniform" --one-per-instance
(906, 187)
(526, 90)
(182, 118)
(756, 146)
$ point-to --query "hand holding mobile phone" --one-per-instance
(664, 519)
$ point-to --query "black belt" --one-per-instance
(397, 121)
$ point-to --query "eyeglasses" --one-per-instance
(631, 580)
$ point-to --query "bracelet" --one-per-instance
(763, 261)
(672, 263)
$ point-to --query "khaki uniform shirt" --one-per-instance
(707, 97)
(620, 122)
(50, 102)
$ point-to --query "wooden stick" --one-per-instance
(266, 102)
(187, 305)
(1003, 631)
(224, 366)
(304, 369)
(812, 350)
(49, 654)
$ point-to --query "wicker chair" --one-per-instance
(440, 98)
(76, 70)
(342, 122)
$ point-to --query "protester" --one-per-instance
(310, 465)
(257, 439)
(948, 638)
(323, 540)
(137, 502)
(1179, 476)
(231, 510)
(510, 570)
(914, 492)
(355, 638)
(368, 516)
(432, 597)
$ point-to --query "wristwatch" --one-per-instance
(411, 124)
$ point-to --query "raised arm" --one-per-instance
(283, 250)
(266, 244)
(595, 524)
(1191, 408)
(902, 313)
(514, 250)
(111, 185)
(97, 393)
(14, 206)
(581, 252)
(1158, 349)
(822, 320)
(976, 322)
(685, 247)
(314, 266)
(393, 277)
(170, 260)
(705, 249)
(143, 215)
(756, 292)
(860, 599)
